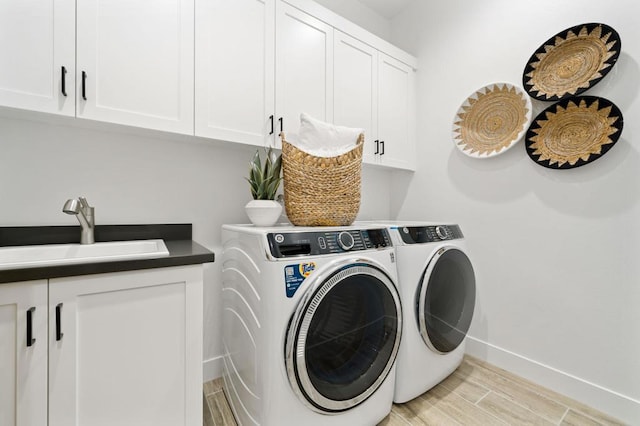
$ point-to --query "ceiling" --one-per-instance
(387, 8)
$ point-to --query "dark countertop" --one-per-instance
(177, 237)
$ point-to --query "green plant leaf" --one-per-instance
(277, 166)
(256, 159)
(272, 188)
(253, 187)
(264, 180)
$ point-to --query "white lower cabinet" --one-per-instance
(124, 348)
(23, 353)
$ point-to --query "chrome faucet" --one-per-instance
(85, 214)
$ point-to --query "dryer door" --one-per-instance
(344, 336)
(446, 298)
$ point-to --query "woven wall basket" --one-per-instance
(571, 62)
(321, 191)
(574, 132)
(491, 120)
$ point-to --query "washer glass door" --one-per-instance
(344, 337)
(445, 299)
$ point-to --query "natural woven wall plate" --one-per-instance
(571, 62)
(574, 132)
(491, 120)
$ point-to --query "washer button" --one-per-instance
(442, 232)
(322, 243)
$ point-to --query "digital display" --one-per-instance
(419, 234)
(376, 236)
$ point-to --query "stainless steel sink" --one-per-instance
(68, 254)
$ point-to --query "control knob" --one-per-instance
(442, 232)
(345, 241)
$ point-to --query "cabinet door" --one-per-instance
(355, 83)
(235, 84)
(135, 62)
(126, 348)
(23, 375)
(395, 112)
(37, 41)
(304, 67)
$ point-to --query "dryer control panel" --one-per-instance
(429, 234)
(291, 244)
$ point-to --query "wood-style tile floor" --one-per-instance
(477, 393)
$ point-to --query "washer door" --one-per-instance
(344, 336)
(445, 299)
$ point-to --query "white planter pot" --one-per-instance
(263, 212)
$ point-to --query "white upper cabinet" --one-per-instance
(235, 83)
(395, 113)
(304, 68)
(23, 353)
(240, 71)
(374, 91)
(259, 64)
(37, 55)
(355, 96)
(135, 62)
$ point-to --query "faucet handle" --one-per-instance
(84, 202)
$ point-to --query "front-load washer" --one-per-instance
(311, 325)
(438, 291)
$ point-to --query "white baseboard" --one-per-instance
(606, 400)
(212, 368)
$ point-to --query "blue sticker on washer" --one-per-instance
(295, 274)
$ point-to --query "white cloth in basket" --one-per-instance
(322, 139)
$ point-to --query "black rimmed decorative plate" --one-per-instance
(574, 132)
(571, 62)
(491, 120)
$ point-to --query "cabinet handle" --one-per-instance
(30, 339)
(59, 333)
(84, 85)
(64, 81)
(271, 119)
(281, 121)
(381, 147)
(377, 147)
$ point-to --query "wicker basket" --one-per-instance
(321, 191)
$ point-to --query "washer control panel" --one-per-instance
(429, 234)
(291, 244)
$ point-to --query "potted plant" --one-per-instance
(264, 181)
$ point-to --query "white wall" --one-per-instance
(134, 176)
(556, 252)
(361, 15)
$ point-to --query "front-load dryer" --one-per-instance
(438, 291)
(312, 322)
